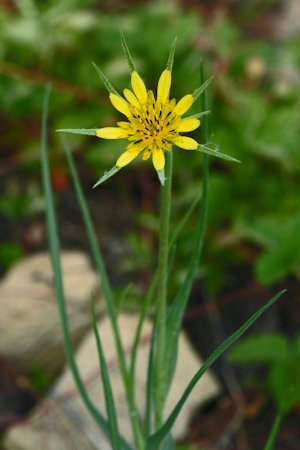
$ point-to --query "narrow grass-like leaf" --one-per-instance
(127, 53)
(150, 383)
(196, 94)
(155, 439)
(108, 294)
(270, 444)
(85, 131)
(108, 174)
(124, 295)
(58, 281)
(105, 81)
(209, 151)
(107, 390)
(150, 370)
(143, 313)
(171, 56)
(184, 220)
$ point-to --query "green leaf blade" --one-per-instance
(159, 436)
(107, 389)
(54, 245)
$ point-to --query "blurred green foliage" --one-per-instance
(283, 359)
(255, 116)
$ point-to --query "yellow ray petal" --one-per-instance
(185, 142)
(184, 105)
(188, 125)
(131, 98)
(163, 87)
(139, 87)
(120, 104)
(111, 133)
(146, 154)
(126, 158)
(158, 159)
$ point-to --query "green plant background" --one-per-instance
(254, 103)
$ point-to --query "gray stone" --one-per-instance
(289, 23)
(62, 420)
(30, 331)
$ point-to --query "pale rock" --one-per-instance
(63, 421)
(289, 23)
(30, 331)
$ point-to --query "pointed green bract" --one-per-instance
(161, 177)
(155, 440)
(198, 115)
(108, 174)
(209, 151)
(127, 53)
(85, 131)
(196, 94)
(171, 56)
(106, 83)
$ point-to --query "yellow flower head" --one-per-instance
(153, 124)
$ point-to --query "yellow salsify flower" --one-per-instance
(153, 124)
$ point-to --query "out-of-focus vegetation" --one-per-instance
(254, 214)
(282, 378)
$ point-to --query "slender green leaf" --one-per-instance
(179, 227)
(150, 383)
(108, 294)
(108, 174)
(154, 440)
(85, 131)
(58, 281)
(105, 81)
(124, 296)
(270, 445)
(127, 53)
(209, 151)
(171, 56)
(108, 394)
(143, 313)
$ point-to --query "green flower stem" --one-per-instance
(274, 431)
(161, 307)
